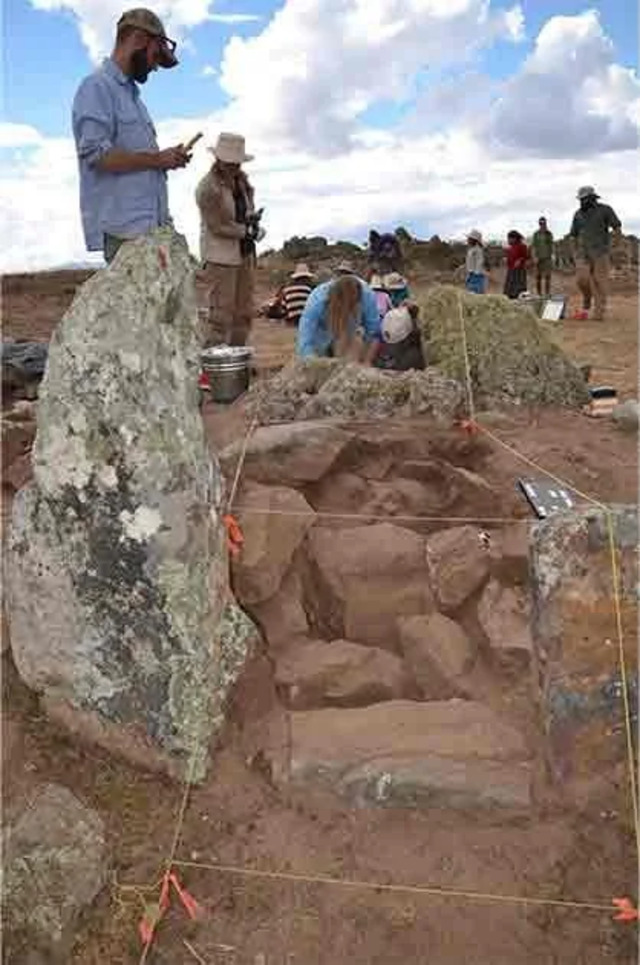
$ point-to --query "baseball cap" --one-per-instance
(147, 20)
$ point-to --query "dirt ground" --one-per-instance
(239, 819)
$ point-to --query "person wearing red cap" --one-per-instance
(123, 173)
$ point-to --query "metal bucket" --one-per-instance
(228, 368)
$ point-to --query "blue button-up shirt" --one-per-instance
(108, 113)
(314, 337)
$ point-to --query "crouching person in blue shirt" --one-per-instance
(123, 174)
(340, 320)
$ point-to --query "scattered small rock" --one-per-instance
(504, 617)
(54, 865)
(458, 565)
(270, 540)
(338, 674)
(626, 415)
(438, 653)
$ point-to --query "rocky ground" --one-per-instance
(349, 684)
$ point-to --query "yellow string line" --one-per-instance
(616, 589)
(169, 863)
(463, 328)
(240, 463)
(399, 889)
(623, 676)
(265, 511)
(539, 468)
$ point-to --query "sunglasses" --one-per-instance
(166, 43)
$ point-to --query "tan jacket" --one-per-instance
(220, 233)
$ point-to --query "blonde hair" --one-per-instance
(343, 309)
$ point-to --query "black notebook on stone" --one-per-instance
(546, 496)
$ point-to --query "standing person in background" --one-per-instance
(383, 299)
(384, 253)
(542, 250)
(517, 255)
(340, 315)
(228, 236)
(398, 288)
(591, 238)
(477, 272)
(294, 295)
(123, 173)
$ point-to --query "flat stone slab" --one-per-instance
(404, 753)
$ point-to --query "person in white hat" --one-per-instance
(401, 347)
(229, 230)
(294, 295)
(590, 234)
(344, 267)
(475, 264)
(123, 173)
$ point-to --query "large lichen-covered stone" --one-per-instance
(512, 355)
(118, 574)
(318, 388)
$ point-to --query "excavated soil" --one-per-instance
(244, 818)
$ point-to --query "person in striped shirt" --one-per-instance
(294, 295)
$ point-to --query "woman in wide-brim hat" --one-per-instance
(398, 288)
(228, 236)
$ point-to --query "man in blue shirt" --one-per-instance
(123, 174)
(335, 314)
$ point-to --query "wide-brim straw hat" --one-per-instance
(230, 149)
(475, 235)
(394, 281)
(302, 270)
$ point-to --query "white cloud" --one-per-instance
(209, 71)
(444, 183)
(570, 98)
(320, 63)
(97, 19)
(18, 135)
(297, 91)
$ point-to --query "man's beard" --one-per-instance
(139, 66)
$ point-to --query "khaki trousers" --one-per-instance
(593, 282)
(225, 296)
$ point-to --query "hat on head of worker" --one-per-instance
(302, 270)
(588, 191)
(230, 149)
(345, 268)
(395, 281)
(475, 235)
(147, 20)
(376, 282)
(396, 325)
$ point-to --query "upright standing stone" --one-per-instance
(118, 598)
(576, 642)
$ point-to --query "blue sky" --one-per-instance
(457, 106)
(29, 32)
